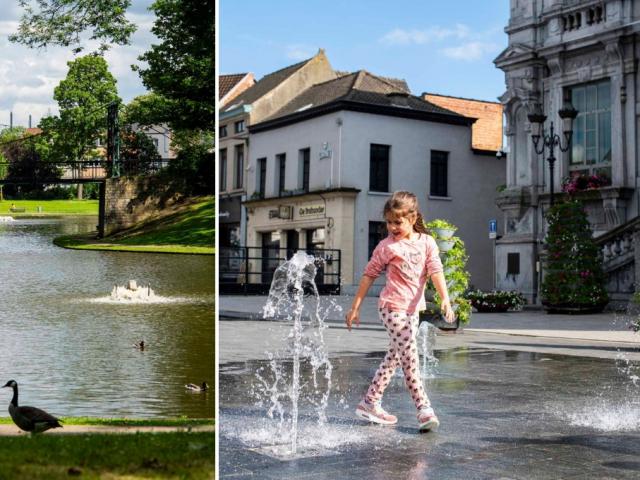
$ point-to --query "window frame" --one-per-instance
(438, 186)
(304, 155)
(222, 131)
(281, 162)
(223, 169)
(238, 178)
(238, 127)
(379, 167)
(261, 184)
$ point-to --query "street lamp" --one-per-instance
(537, 118)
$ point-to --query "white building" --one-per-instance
(321, 168)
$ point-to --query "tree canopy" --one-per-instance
(83, 97)
(61, 22)
(181, 67)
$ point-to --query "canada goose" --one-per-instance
(195, 388)
(29, 419)
(139, 345)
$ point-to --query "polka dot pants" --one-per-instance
(402, 329)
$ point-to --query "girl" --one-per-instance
(409, 256)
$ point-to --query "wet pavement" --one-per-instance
(504, 414)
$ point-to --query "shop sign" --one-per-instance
(310, 210)
(284, 212)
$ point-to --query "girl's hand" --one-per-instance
(445, 307)
(353, 315)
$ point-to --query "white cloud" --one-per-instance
(401, 36)
(28, 77)
(470, 51)
(300, 52)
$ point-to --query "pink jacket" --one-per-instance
(408, 264)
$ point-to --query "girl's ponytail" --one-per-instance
(419, 226)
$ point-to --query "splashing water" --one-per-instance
(616, 407)
(427, 334)
(279, 386)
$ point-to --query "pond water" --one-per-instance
(71, 349)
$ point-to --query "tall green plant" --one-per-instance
(573, 274)
(454, 262)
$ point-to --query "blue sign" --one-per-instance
(493, 228)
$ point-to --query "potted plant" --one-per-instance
(441, 229)
(496, 300)
(574, 281)
(454, 263)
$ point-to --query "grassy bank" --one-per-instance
(188, 228)
(129, 422)
(49, 207)
(183, 455)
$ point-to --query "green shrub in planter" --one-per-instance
(454, 262)
(496, 300)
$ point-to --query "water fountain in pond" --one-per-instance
(277, 386)
(133, 292)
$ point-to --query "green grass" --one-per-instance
(188, 230)
(175, 455)
(50, 207)
(129, 422)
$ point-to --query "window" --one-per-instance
(281, 160)
(223, 169)
(379, 168)
(377, 232)
(156, 142)
(223, 131)
(239, 176)
(262, 176)
(239, 126)
(305, 166)
(439, 182)
(591, 143)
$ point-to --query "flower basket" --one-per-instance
(443, 233)
(496, 301)
(445, 245)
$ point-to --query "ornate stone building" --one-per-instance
(586, 52)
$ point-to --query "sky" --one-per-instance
(438, 46)
(29, 76)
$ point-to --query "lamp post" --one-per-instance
(552, 140)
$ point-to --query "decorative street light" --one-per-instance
(537, 118)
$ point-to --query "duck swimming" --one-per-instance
(195, 388)
(29, 419)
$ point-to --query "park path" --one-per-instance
(12, 430)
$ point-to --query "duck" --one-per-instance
(139, 345)
(197, 388)
(29, 419)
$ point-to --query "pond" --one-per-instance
(71, 348)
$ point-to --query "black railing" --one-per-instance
(73, 172)
(249, 270)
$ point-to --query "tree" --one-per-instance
(82, 98)
(574, 279)
(181, 67)
(61, 22)
(21, 160)
(138, 153)
(192, 169)
(146, 110)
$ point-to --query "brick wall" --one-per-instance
(131, 200)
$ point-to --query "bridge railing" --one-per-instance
(74, 172)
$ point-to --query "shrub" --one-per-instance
(496, 300)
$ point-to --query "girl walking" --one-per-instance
(410, 257)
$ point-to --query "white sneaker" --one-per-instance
(375, 413)
(427, 419)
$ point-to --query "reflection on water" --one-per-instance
(73, 355)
